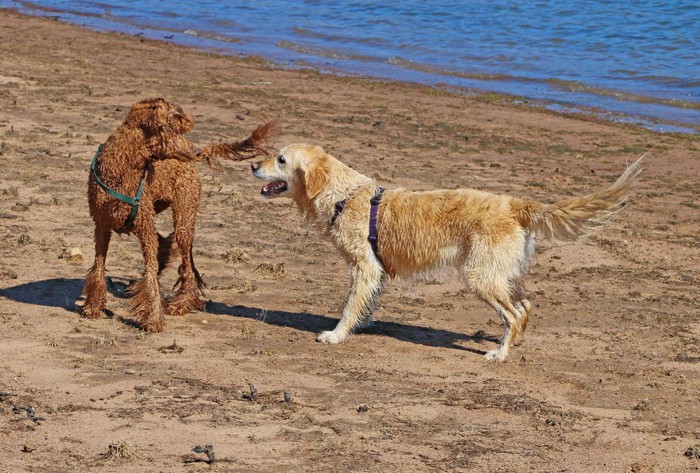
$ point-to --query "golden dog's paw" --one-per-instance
(331, 337)
(496, 355)
(519, 338)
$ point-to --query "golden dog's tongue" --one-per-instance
(273, 188)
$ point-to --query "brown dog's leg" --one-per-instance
(166, 251)
(197, 276)
(188, 297)
(94, 289)
(147, 302)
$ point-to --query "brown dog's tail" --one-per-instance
(569, 218)
(252, 146)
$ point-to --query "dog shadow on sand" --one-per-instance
(64, 292)
(57, 292)
(315, 323)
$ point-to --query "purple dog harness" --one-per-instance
(373, 210)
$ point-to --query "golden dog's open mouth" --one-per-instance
(273, 188)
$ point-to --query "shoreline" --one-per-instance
(553, 94)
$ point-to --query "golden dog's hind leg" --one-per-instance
(523, 305)
(523, 308)
(94, 289)
(495, 273)
(509, 315)
(366, 287)
(496, 293)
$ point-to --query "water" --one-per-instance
(633, 60)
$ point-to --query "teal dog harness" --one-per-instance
(133, 201)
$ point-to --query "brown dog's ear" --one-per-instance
(316, 177)
(178, 120)
(150, 115)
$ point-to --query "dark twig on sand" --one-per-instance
(174, 348)
(119, 451)
(30, 413)
(253, 391)
(209, 450)
(288, 397)
(693, 452)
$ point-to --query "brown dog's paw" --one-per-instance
(152, 321)
(154, 325)
(92, 311)
(185, 303)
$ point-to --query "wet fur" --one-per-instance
(489, 238)
(152, 140)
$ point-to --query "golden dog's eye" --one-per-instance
(281, 160)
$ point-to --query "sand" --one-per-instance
(606, 380)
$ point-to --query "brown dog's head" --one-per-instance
(298, 171)
(157, 116)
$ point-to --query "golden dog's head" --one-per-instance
(298, 171)
(157, 116)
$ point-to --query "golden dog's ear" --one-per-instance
(316, 177)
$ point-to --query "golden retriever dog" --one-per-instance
(489, 238)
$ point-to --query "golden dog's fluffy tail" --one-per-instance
(252, 146)
(569, 218)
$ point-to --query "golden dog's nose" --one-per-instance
(255, 166)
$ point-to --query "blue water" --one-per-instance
(632, 60)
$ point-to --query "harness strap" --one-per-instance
(134, 208)
(133, 201)
(373, 211)
(339, 207)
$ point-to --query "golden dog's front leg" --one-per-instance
(366, 287)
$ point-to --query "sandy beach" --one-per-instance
(608, 378)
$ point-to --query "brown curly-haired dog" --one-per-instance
(149, 152)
